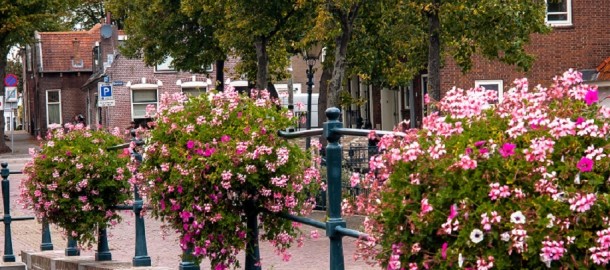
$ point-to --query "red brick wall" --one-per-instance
(133, 70)
(72, 98)
(581, 46)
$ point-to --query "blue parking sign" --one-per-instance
(105, 91)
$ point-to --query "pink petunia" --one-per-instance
(591, 97)
(444, 250)
(507, 149)
(190, 144)
(585, 164)
(453, 211)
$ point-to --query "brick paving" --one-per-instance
(26, 235)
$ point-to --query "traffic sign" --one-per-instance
(105, 91)
(11, 80)
(106, 103)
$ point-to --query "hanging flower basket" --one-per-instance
(75, 182)
(520, 184)
(213, 159)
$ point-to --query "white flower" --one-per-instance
(577, 179)
(551, 220)
(460, 260)
(476, 236)
(505, 237)
(517, 218)
(546, 260)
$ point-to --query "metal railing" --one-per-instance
(335, 225)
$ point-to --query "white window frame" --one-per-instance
(53, 103)
(424, 91)
(568, 13)
(500, 84)
(165, 66)
(209, 68)
(202, 87)
(143, 87)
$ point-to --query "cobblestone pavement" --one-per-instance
(26, 235)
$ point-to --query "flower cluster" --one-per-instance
(522, 184)
(213, 160)
(75, 182)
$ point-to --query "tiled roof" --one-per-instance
(604, 70)
(64, 51)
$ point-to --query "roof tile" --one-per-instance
(63, 51)
(604, 70)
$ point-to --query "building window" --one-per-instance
(165, 66)
(194, 91)
(78, 63)
(496, 85)
(424, 91)
(559, 12)
(140, 99)
(209, 68)
(53, 107)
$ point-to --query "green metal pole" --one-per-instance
(103, 251)
(187, 261)
(141, 258)
(8, 241)
(253, 256)
(46, 243)
(309, 90)
(72, 249)
(333, 165)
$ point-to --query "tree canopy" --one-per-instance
(197, 32)
(18, 21)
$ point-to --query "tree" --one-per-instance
(345, 14)
(86, 14)
(265, 28)
(495, 29)
(18, 21)
(185, 34)
(197, 32)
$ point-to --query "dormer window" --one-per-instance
(78, 63)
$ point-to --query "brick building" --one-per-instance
(55, 68)
(580, 39)
(63, 69)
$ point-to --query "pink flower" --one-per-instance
(585, 164)
(225, 138)
(190, 144)
(425, 207)
(508, 149)
(453, 211)
(444, 250)
(591, 97)
(582, 203)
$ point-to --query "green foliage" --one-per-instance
(214, 160)
(191, 42)
(75, 182)
(506, 186)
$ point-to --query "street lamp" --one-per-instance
(310, 55)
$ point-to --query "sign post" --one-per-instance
(106, 99)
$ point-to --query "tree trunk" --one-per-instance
(434, 52)
(262, 62)
(338, 72)
(327, 72)
(220, 75)
(3, 146)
